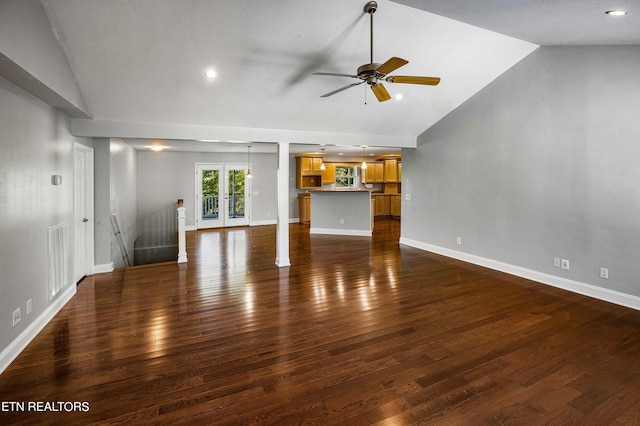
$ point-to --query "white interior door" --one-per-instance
(83, 211)
(222, 195)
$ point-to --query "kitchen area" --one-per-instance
(345, 197)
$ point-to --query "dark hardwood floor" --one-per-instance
(356, 331)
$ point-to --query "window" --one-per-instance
(345, 177)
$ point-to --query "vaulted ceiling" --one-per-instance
(144, 60)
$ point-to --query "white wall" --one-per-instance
(164, 177)
(35, 144)
(542, 163)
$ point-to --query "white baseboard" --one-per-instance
(350, 232)
(100, 269)
(190, 228)
(263, 222)
(294, 220)
(19, 343)
(612, 296)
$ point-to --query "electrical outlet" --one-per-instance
(407, 197)
(604, 273)
(556, 262)
(29, 306)
(565, 264)
(16, 317)
(459, 241)
(341, 221)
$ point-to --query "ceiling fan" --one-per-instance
(372, 73)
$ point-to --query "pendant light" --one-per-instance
(364, 159)
(322, 166)
(249, 161)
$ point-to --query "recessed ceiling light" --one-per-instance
(210, 74)
(156, 147)
(616, 12)
(398, 97)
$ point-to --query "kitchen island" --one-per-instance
(341, 212)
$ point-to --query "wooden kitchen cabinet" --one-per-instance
(387, 204)
(391, 170)
(374, 173)
(382, 205)
(308, 173)
(396, 205)
(316, 164)
(329, 173)
(304, 207)
(304, 165)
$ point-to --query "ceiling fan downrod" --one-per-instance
(371, 8)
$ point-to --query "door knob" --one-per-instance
(85, 220)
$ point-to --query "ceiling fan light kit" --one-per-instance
(373, 73)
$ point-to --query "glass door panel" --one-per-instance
(236, 196)
(222, 196)
(208, 197)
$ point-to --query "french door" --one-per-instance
(222, 195)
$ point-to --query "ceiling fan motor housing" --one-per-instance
(368, 72)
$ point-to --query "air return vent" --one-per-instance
(58, 252)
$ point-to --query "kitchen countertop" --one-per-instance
(339, 190)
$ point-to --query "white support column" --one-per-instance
(182, 240)
(282, 233)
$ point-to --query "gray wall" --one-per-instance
(164, 177)
(123, 196)
(116, 191)
(35, 143)
(542, 163)
(30, 47)
(102, 202)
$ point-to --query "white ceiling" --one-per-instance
(545, 22)
(144, 61)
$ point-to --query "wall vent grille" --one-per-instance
(58, 252)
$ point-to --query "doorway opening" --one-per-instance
(222, 195)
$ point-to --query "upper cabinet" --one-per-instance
(391, 170)
(309, 173)
(374, 173)
(329, 173)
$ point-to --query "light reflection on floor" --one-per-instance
(226, 258)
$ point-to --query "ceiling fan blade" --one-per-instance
(335, 74)
(429, 81)
(391, 65)
(380, 92)
(326, 95)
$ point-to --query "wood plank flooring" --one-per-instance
(357, 331)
